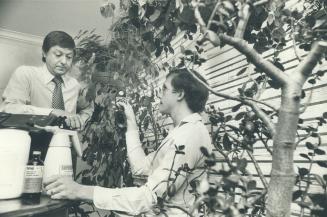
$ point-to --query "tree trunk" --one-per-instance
(282, 174)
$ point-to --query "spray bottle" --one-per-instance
(58, 160)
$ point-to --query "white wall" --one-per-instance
(17, 49)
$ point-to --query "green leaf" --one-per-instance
(303, 171)
(227, 143)
(305, 156)
(228, 118)
(187, 15)
(274, 84)
(279, 65)
(312, 81)
(181, 147)
(322, 163)
(320, 180)
(237, 107)
(309, 145)
(242, 71)
(319, 151)
(241, 164)
(297, 194)
(171, 50)
(188, 52)
(142, 116)
(304, 204)
(320, 73)
(251, 185)
(302, 94)
(204, 151)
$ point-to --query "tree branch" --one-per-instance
(257, 167)
(263, 116)
(255, 163)
(213, 14)
(244, 18)
(257, 110)
(263, 103)
(265, 144)
(256, 59)
(304, 69)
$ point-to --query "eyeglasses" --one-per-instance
(164, 90)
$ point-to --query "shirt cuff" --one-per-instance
(102, 197)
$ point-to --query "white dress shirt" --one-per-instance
(191, 133)
(30, 90)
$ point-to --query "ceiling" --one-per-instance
(38, 17)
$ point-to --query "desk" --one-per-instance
(47, 207)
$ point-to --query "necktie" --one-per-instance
(57, 98)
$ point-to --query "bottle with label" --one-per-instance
(33, 180)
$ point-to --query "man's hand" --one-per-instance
(72, 120)
(63, 187)
(130, 116)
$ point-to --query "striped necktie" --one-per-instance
(57, 98)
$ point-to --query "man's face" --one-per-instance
(169, 97)
(59, 60)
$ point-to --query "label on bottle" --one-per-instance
(33, 179)
(66, 170)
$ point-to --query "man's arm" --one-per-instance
(136, 200)
(133, 200)
(16, 96)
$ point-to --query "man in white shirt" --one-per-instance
(183, 97)
(48, 89)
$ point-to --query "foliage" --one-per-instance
(105, 74)
(148, 27)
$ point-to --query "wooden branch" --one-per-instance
(255, 163)
(306, 104)
(256, 59)
(257, 167)
(265, 143)
(263, 103)
(259, 197)
(213, 14)
(257, 110)
(263, 116)
(304, 69)
(244, 18)
(199, 19)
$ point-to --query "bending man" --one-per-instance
(49, 90)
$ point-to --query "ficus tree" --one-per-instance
(251, 27)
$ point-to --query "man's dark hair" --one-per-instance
(59, 38)
(196, 94)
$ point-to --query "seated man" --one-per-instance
(183, 97)
(48, 89)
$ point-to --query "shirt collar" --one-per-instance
(195, 117)
(47, 76)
